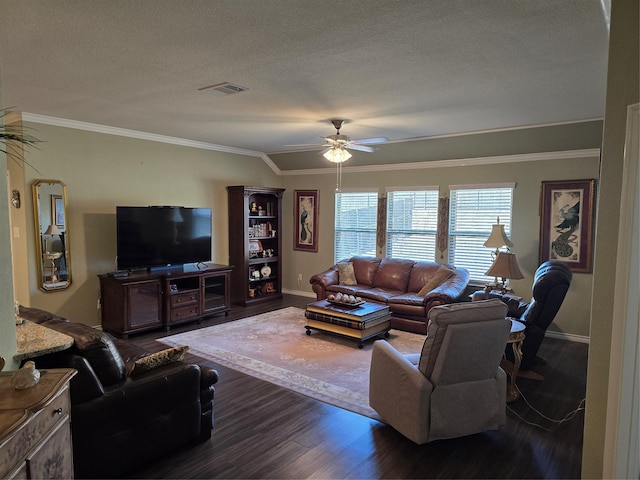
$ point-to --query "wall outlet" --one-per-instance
(299, 277)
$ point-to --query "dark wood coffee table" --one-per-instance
(361, 322)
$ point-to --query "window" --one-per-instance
(355, 224)
(473, 210)
(412, 223)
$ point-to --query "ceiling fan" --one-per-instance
(336, 146)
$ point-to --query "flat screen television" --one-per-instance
(156, 237)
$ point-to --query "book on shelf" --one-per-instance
(362, 312)
(345, 322)
(349, 332)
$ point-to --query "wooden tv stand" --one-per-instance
(144, 301)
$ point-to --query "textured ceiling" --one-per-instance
(400, 69)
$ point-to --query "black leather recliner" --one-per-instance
(550, 285)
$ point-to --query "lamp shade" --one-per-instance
(52, 230)
(337, 155)
(498, 237)
(505, 266)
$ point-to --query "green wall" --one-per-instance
(573, 318)
(623, 90)
(103, 170)
(7, 323)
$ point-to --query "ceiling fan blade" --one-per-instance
(364, 141)
(306, 145)
(360, 148)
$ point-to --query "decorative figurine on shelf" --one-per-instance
(260, 211)
(254, 208)
(26, 377)
(265, 271)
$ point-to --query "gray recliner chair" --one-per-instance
(455, 387)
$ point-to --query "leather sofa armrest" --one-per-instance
(208, 376)
(516, 307)
(449, 290)
(326, 278)
(320, 281)
(85, 385)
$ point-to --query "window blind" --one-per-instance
(355, 224)
(412, 223)
(472, 212)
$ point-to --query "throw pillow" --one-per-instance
(346, 274)
(442, 274)
(158, 359)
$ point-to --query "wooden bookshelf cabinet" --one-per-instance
(146, 301)
(255, 243)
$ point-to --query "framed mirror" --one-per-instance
(52, 235)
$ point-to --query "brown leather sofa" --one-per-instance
(398, 284)
(119, 419)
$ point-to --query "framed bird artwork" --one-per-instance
(566, 223)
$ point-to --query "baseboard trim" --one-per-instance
(299, 293)
(567, 336)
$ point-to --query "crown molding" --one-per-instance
(123, 132)
(457, 162)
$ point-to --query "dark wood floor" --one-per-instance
(265, 431)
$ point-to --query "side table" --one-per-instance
(516, 337)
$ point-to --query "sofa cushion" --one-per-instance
(346, 273)
(158, 359)
(365, 268)
(393, 274)
(376, 294)
(442, 274)
(348, 289)
(421, 273)
(407, 299)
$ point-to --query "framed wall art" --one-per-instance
(566, 223)
(57, 210)
(305, 212)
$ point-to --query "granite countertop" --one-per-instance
(34, 340)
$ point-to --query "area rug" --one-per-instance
(274, 347)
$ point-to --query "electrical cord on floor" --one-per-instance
(566, 418)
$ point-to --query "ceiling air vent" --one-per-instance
(224, 88)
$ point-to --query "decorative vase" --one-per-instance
(266, 270)
(26, 377)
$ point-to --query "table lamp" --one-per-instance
(498, 237)
(505, 266)
(51, 231)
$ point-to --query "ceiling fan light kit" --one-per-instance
(337, 148)
(337, 155)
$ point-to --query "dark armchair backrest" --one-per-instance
(550, 284)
